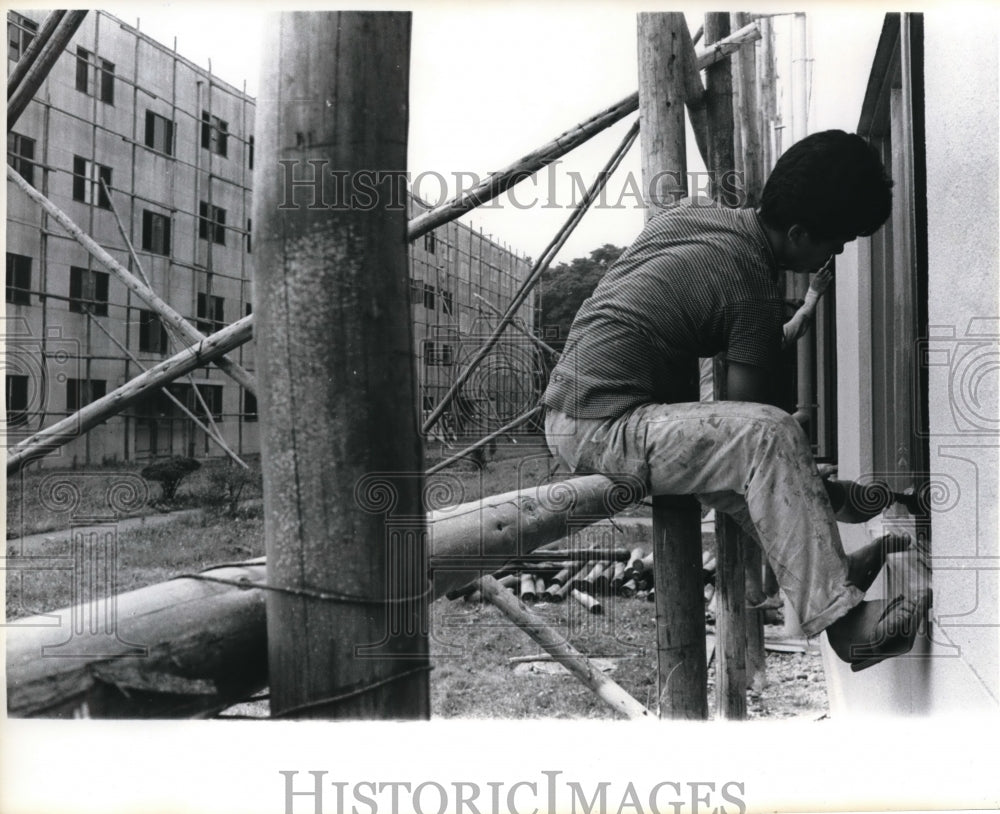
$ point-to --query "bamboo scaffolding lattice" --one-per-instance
(171, 318)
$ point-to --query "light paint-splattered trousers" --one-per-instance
(751, 461)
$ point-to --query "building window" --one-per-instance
(447, 303)
(81, 392)
(212, 394)
(416, 291)
(87, 177)
(95, 76)
(88, 291)
(894, 267)
(249, 406)
(159, 133)
(214, 134)
(20, 32)
(212, 223)
(428, 296)
(250, 153)
(152, 333)
(17, 400)
(249, 232)
(430, 242)
(155, 232)
(21, 155)
(18, 279)
(437, 353)
(210, 313)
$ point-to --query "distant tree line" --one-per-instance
(565, 286)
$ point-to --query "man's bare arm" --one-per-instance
(800, 321)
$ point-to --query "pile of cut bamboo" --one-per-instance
(591, 577)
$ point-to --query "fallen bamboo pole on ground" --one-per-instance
(205, 634)
(51, 438)
(562, 651)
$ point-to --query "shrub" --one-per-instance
(227, 484)
(169, 473)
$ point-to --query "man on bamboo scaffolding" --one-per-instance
(702, 280)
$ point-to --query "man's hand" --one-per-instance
(799, 323)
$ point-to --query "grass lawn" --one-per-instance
(471, 644)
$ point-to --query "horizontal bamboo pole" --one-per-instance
(562, 651)
(171, 318)
(62, 432)
(206, 639)
(499, 182)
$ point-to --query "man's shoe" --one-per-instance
(865, 563)
(875, 631)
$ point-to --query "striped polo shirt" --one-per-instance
(699, 280)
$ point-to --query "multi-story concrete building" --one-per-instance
(126, 130)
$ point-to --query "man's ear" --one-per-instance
(795, 234)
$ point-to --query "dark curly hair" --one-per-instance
(832, 184)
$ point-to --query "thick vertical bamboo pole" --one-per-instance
(680, 610)
(804, 348)
(342, 466)
(745, 78)
(719, 105)
(748, 113)
(730, 651)
(662, 90)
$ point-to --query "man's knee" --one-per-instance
(781, 426)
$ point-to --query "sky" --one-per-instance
(491, 82)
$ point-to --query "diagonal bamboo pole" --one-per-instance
(170, 317)
(610, 692)
(535, 275)
(39, 69)
(517, 422)
(212, 432)
(51, 438)
(194, 385)
(519, 325)
(30, 55)
(122, 231)
(499, 182)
